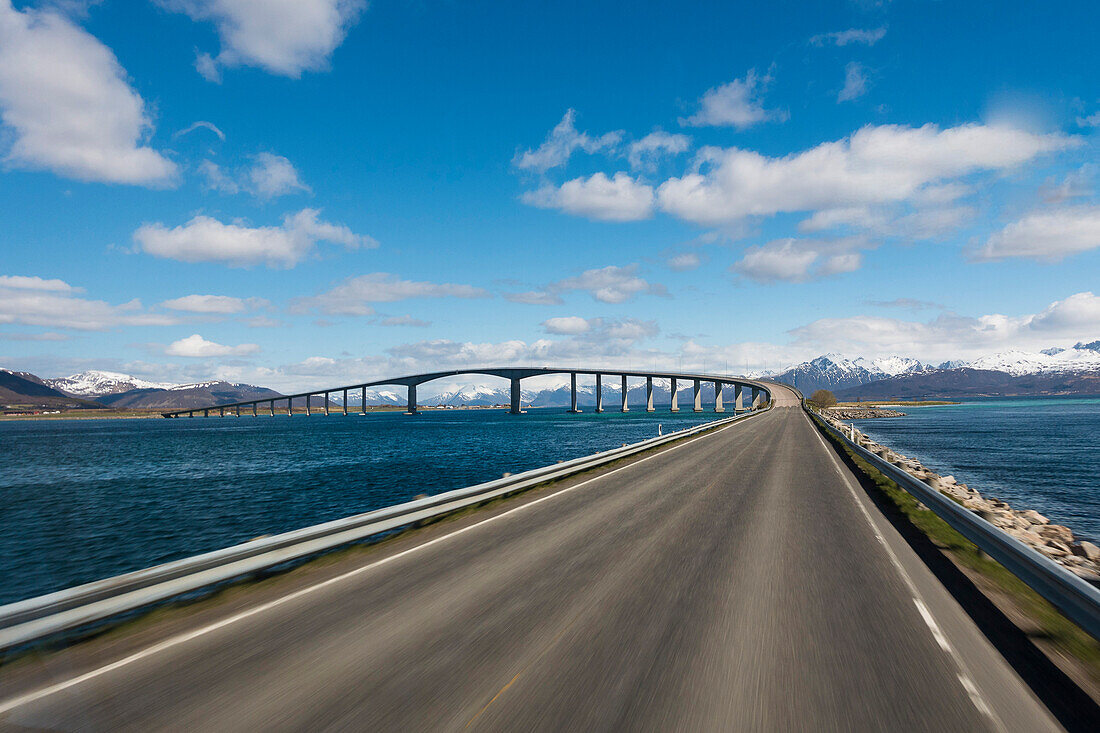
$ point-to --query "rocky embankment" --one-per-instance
(861, 413)
(1029, 526)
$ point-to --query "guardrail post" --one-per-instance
(675, 398)
(649, 394)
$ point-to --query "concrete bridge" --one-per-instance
(759, 392)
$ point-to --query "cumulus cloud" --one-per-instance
(611, 284)
(798, 260)
(1047, 236)
(268, 177)
(866, 36)
(204, 239)
(69, 106)
(354, 296)
(34, 301)
(855, 83)
(736, 104)
(222, 304)
(284, 37)
(620, 198)
(561, 143)
(196, 347)
(875, 165)
(645, 153)
(567, 325)
(684, 261)
(951, 336)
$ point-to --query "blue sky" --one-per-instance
(321, 190)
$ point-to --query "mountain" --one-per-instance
(186, 396)
(94, 383)
(968, 382)
(23, 389)
(835, 372)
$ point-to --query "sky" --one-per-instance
(299, 193)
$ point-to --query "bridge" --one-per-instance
(735, 576)
(758, 391)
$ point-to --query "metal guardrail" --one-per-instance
(1075, 597)
(50, 615)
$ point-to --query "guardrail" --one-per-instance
(50, 615)
(1075, 597)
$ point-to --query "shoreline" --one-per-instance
(1055, 541)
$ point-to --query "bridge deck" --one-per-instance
(735, 582)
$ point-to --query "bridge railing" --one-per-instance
(84, 606)
(1075, 597)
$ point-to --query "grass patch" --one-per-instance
(1050, 624)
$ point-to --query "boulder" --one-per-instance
(1033, 517)
(1056, 532)
(1087, 550)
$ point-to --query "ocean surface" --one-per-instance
(82, 500)
(1034, 453)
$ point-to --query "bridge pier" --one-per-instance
(625, 408)
(738, 400)
(253, 409)
(308, 400)
(697, 393)
(345, 403)
(649, 394)
(271, 406)
(573, 393)
(718, 406)
(363, 401)
(412, 400)
(675, 398)
(515, 407)
(326, 403)
(599, 394)
(289, 406)
(756, 394)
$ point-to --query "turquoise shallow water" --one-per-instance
(83, 500)
(1041, 454)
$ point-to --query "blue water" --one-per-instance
(82, 500)
(1041, 454)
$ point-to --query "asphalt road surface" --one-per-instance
(739, 581)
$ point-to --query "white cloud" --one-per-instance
(354, 296)
(1092, 120)
(921, 223)
(646, 152)
(737, 103)
(268, 177)
(611, 284)
(68, 102)
(561, 143)
(34, 301)
(284, 37)
(950, 336)
(867, 36)
(195, 347)
(405, 320)
(1049, 235)
(684, 261)
(620, 198)
(200, 125)
(214, 304)
(204, 239)
(566, 325)
(798, 260)
(273, 175)
(876, 165)
(855, 83)
(47, 336)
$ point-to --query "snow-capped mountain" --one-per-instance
(1080, 358)
(95, 383)
(889, 365)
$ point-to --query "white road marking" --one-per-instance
(972, 690)
(174, 641)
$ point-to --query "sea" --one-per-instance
(1034, 453)
(82, 500)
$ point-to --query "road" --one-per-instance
(739, 581)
